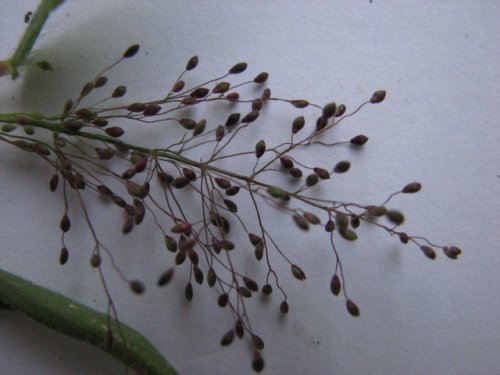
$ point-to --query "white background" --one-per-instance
(438, 62)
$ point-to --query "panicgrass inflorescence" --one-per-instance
(85, 140)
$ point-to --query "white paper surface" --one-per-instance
(438, 125)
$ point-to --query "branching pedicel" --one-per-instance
(84, 138)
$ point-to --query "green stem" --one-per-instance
(83, 323)
(29, 38)
(54, 125)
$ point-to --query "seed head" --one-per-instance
(200, 92)
(250, 284)
(312, 179)
(151, 109)
(452, 252)
(230, 205)
(178, 86)
(330, 226)
(329, 110)
(244, 292)
(284, 307)
(413, 187)
(260, 148)
(128, 225)
(299, 103)
(170, 243)
(348, 234)
(137, 286)
(267, 289)
(138, 191)
(200, 127)
(180, 182)
(100, 122)
(261, 77)
(297, 272)
(63, 255)
(322, 173)
(100, 82)
(335, 285)
(352, 308)
(239, 328)
(257, 342)
(257, 104)
(377, 210)
(222, 182)
(259, 250)
(198, 275)
(378, 96)
(181, 227)
(277, 192)
(54, 182)
(395, 217)
(189, 174)
(250, 117)
(312, 218)
(254, 239)
(340, 110)
(68, 105)
(223, 300)
(404, 238)
(129, 173)
(298, 124)
(228, 338)
(233, 119)
(232, 190)
(359, 140)
(105, 153)
(119, 92)
(428, 252)
(266, 94)
(73, 125)
(296, 173)
(136, 107)
(44, 65)
(355, 222)
(95, 260)
(221, 87)
(131, 51)
(238, 68)
(188, 291)
(211, 277)
(166, 276)
(189, 100)
(87, 88)
(233, 96)
(180, 257)
(65, 223)
(85, 114)
(286, 162)
(227, 245)
(219, 133)
(187, 123)
(257, 362)
(192, 63)
(114, 131)
(301, 222)
(342, 166)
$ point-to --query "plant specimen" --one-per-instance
(192, 191)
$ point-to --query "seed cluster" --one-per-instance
(203, 242)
